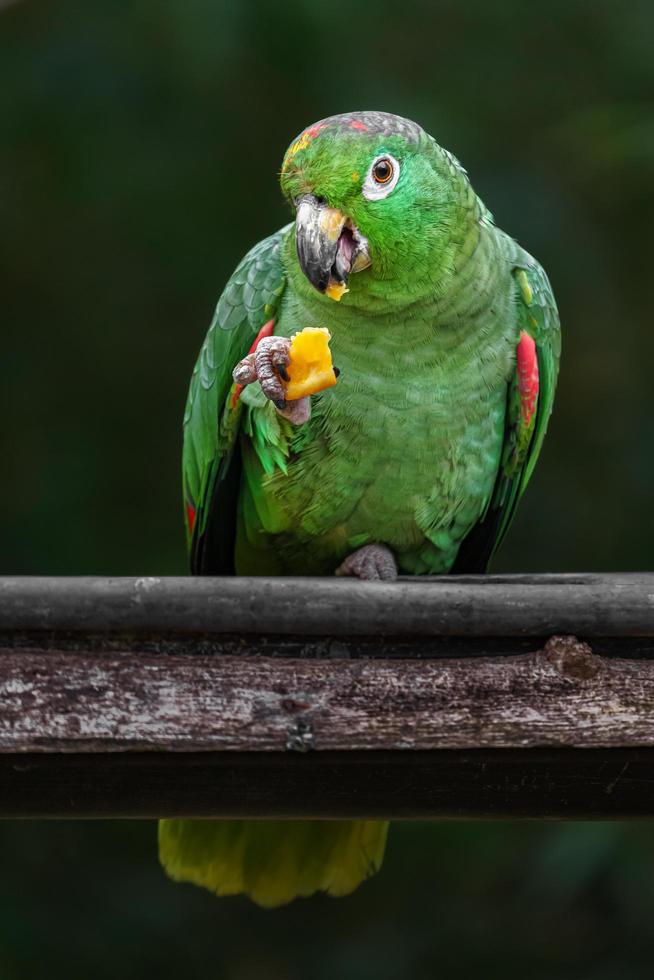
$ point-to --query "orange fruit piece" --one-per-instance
(310, 369)
(336, 291)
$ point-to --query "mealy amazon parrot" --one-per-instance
(447, 340)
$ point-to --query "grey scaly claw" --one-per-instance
(372, 562)
(268, 365)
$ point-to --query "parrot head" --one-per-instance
(374, 194)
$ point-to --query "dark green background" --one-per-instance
(139, 146)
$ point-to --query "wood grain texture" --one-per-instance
(563, 695)
(327, 698)
(615, 605)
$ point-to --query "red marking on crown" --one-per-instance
(190, 517)
(355, 124)
(527, 363)
(266, 331)
(313, 131)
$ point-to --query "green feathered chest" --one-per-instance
(404, 450)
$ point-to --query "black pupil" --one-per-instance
(382, 170)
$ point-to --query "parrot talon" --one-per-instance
(268, 365)
(296, 412)
(280, 360)
(245, 372)
(372, 563)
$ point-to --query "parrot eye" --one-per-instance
(382, 177)
(382, 171)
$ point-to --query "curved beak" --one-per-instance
(329, 247)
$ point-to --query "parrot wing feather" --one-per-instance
(530, 397)
(210, 460)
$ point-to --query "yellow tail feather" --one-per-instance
(272, 861)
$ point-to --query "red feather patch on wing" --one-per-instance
(190, 517)
(527, 363)
(266, 331)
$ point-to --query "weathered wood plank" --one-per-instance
(563, 695)
(327, 698)
(538, 605)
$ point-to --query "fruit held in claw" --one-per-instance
(310, 367)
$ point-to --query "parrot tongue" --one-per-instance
(351, 255)
(344, 253)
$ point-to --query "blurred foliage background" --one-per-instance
(139, 147)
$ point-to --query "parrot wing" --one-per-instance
(530, 397)
(211, 460)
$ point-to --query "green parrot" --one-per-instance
(446, 335)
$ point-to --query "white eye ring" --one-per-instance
(375, 190)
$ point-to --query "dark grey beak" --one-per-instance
(317, 233)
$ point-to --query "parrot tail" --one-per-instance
(272, 861)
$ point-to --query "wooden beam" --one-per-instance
(563, 695)
(321, 698)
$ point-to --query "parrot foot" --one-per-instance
(267, 365)
(371, 563)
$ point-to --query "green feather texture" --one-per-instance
(423, 445)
